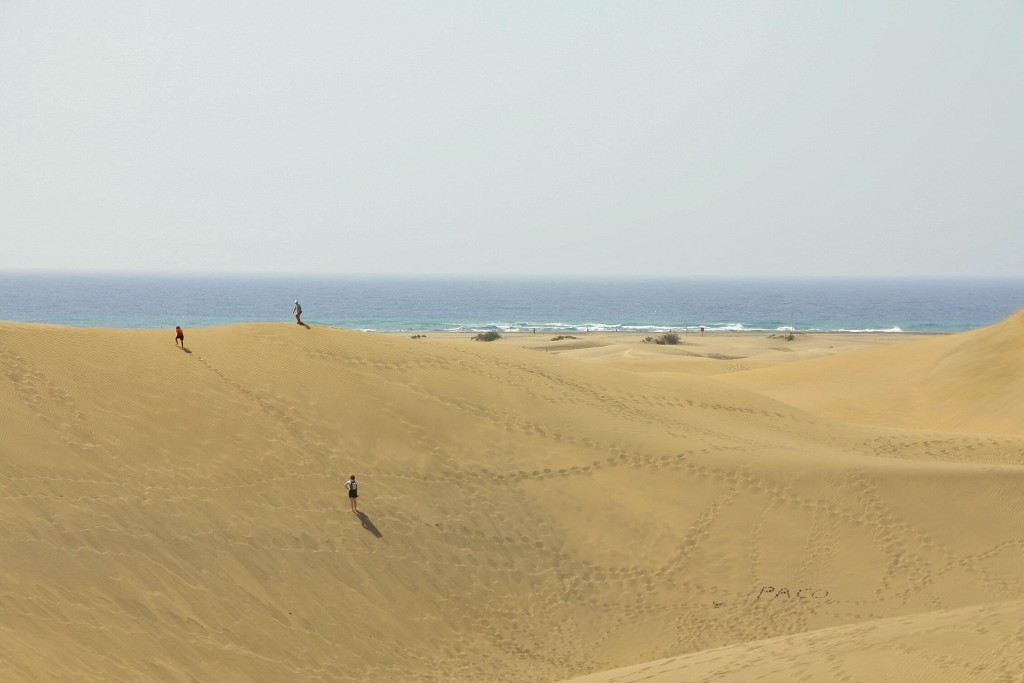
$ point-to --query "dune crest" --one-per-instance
(954, 645)
(971, 382)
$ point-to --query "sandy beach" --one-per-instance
(597, 509)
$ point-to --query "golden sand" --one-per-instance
(735, 507)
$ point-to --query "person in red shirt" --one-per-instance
(179, 336)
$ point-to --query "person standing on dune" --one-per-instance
(353, 493)
(297, 310)
(179, 336)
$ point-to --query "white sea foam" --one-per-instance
(709, 328)
(889, 330)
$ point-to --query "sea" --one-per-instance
(507, 304)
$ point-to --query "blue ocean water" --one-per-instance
(507, 304)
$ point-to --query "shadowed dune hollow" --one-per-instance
(524, 516)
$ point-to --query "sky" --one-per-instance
(634, 138)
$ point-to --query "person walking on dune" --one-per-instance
(179, 336)
(353, 493)
(297, 310)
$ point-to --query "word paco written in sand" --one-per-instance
(775, 593)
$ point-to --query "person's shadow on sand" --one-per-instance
(369, 525)
(304, 325)
(186, 350)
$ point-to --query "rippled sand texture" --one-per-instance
(737, 508)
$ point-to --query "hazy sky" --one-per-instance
(541, 138)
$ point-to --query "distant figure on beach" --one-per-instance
(179, 336)
(353, 493)
(297, 310)
(702, 330)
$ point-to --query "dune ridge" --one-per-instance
(170, 515)
(980, 642)
(970, 382)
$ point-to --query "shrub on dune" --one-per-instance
(667, 338)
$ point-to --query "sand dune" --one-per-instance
(526, 516)
(971, 382)
(974, 643)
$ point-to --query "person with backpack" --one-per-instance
(353, 493)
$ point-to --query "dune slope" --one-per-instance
(170, 515)
(977, 643)
(970, 382)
